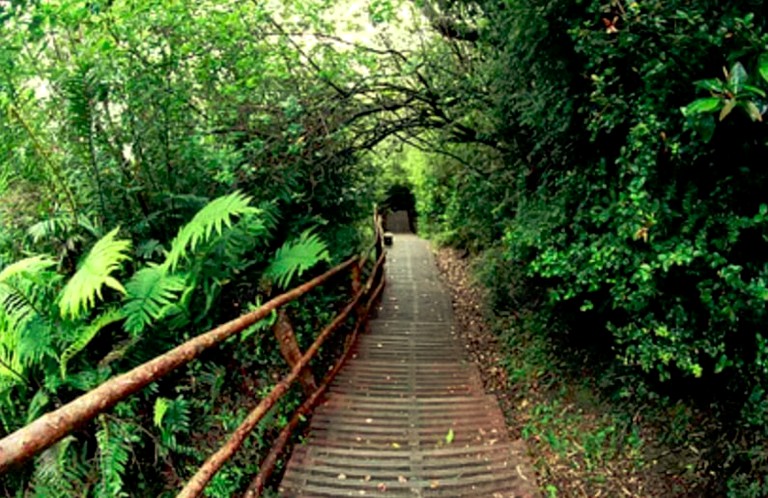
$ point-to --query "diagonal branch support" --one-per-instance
(289, 347)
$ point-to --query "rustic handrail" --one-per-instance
(278, 446)
(205, 473)
(55, 425)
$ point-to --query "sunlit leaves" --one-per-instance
(95, 272)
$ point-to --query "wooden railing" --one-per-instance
(47, 430)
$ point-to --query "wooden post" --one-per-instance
(357, 271)
(283, 330)
(379, 275)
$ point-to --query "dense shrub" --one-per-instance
(633, 193)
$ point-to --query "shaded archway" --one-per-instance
(399, 209)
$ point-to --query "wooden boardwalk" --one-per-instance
(407, 415)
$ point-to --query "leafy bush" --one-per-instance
(637, 199)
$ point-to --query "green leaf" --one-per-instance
(114, 455)
(705, 126)
(213, 217)
(161, 407)
(106, 257)
(295, 257)
(737, 77)
(150, 293)
(755, 90)
(449, 437)
(29, 265)
(702, 106)
(762, 66)
(85, 336)
(712, 85)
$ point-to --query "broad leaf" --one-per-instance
(755, 90)
(762, 66)
(701, 106)
(712, 85)
(737, 77)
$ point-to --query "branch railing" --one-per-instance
(50, 428)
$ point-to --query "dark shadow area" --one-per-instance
(399, 209)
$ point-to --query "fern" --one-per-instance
(106, 256)
(85, 336)
(161, 406)
(150, 294)
(172, 417)
(21, 344)
(35, 343)
(62, 226)
(79, 89)
(213, 217)
(295, 257)
(58, 474)
(113, 459)
(30, 265)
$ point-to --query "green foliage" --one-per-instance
(106, 257)
(85, 336)
(644, 228)
(729, 94)
(114, 455)
(295, 257)
(57, 473)
(150, 295)
(207, 133)
(212, 218)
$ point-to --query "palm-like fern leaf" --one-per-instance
(85, 336)
(295, 257)
(61, 226)
(114, 455)
(57, 473)
(19, 343)
(106, 256)
(214, 216)
(150, 293)
(30, 265)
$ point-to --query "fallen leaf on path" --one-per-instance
(450, 436)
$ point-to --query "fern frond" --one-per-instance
(295, 257)
(35, 343)
(150, 293)
(85, 336)
(79, 89)
(56, 475)
(106, 256)
(161, 406)
(37, 406)
(113, 459)
(23, 339)
(213, 217)
(172, 417)
(15, 310)
(47, 228)
(61, 226)
(29, 265)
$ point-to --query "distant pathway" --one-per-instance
(407, 415)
